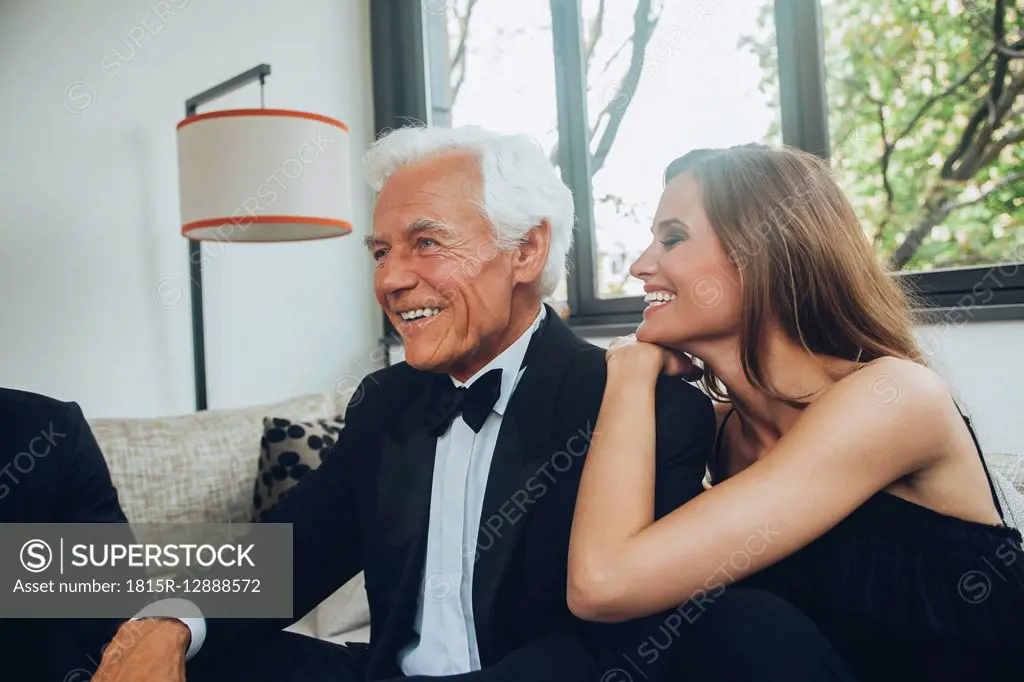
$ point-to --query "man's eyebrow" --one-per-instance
(427, 225)
(412, 229)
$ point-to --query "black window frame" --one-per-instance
(403, 82)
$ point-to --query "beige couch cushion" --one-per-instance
(1008, 479)
(201, 467)
(193, 468)
(1010, 467)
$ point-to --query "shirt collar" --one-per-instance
(509, 361)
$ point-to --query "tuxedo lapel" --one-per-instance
(524, 444)
(403, 495)
(403, 498)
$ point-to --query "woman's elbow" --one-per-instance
(594, 596)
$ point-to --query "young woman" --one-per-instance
(848, 498)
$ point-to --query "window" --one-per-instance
(926, 114)
(492, 64)
(662, 79)
(889, 92)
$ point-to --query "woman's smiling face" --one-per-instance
(692, 287)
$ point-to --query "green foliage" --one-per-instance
(896, 116)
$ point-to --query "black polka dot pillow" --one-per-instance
(289, 450)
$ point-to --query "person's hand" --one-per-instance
(639, 356)
(147, 650)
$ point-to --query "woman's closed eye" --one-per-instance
(672, 231)
(668, 241)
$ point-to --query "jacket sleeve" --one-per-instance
(685, 438)
(324, 513)
(85, 494)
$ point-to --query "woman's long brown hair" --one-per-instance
(803, 258)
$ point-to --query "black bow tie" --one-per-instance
(474, 403)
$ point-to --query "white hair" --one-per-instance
(520, 186)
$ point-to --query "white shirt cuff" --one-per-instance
(194, 620)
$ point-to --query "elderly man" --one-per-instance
(453, 483)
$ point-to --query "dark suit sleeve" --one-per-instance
(88, 494)
(323, 511)
(685, 438)
(62, 478)
(89, 497)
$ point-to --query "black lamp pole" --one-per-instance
(194, 247)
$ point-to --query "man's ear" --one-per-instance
(531, 255)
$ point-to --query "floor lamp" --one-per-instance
(256, 175)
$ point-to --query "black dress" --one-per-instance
(907, 593)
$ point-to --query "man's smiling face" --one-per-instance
(439, 276)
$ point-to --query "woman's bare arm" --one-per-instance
(853, 441)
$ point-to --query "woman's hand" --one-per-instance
(650, 359)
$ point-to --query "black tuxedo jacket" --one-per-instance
(52, 471)
(367, 506)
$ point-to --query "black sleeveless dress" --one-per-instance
(907, 593)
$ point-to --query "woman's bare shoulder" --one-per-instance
(889, 380)
(889, 393)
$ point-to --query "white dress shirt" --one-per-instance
(444, 623)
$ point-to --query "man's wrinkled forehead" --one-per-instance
(401, 195)
(442, 190)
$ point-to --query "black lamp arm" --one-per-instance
(256, 73)
(195, 254)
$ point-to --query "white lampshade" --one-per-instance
(263, 175)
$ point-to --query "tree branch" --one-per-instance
(969, 144)
(1015, 51)
(596, 28)
(992, 153)
(970, 161)
(917, 234)
(939, 211)
(615, 109)
(884, 163)
(935, 98)
(886, 155)
(458, 61)
(614, 56)
(863, 89)
(1002, 184)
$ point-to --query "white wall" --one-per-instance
(90, 93)
(982, 362)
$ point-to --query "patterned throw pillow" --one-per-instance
(288, 451)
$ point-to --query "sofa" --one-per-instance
(1008, 477)
(203, 468)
